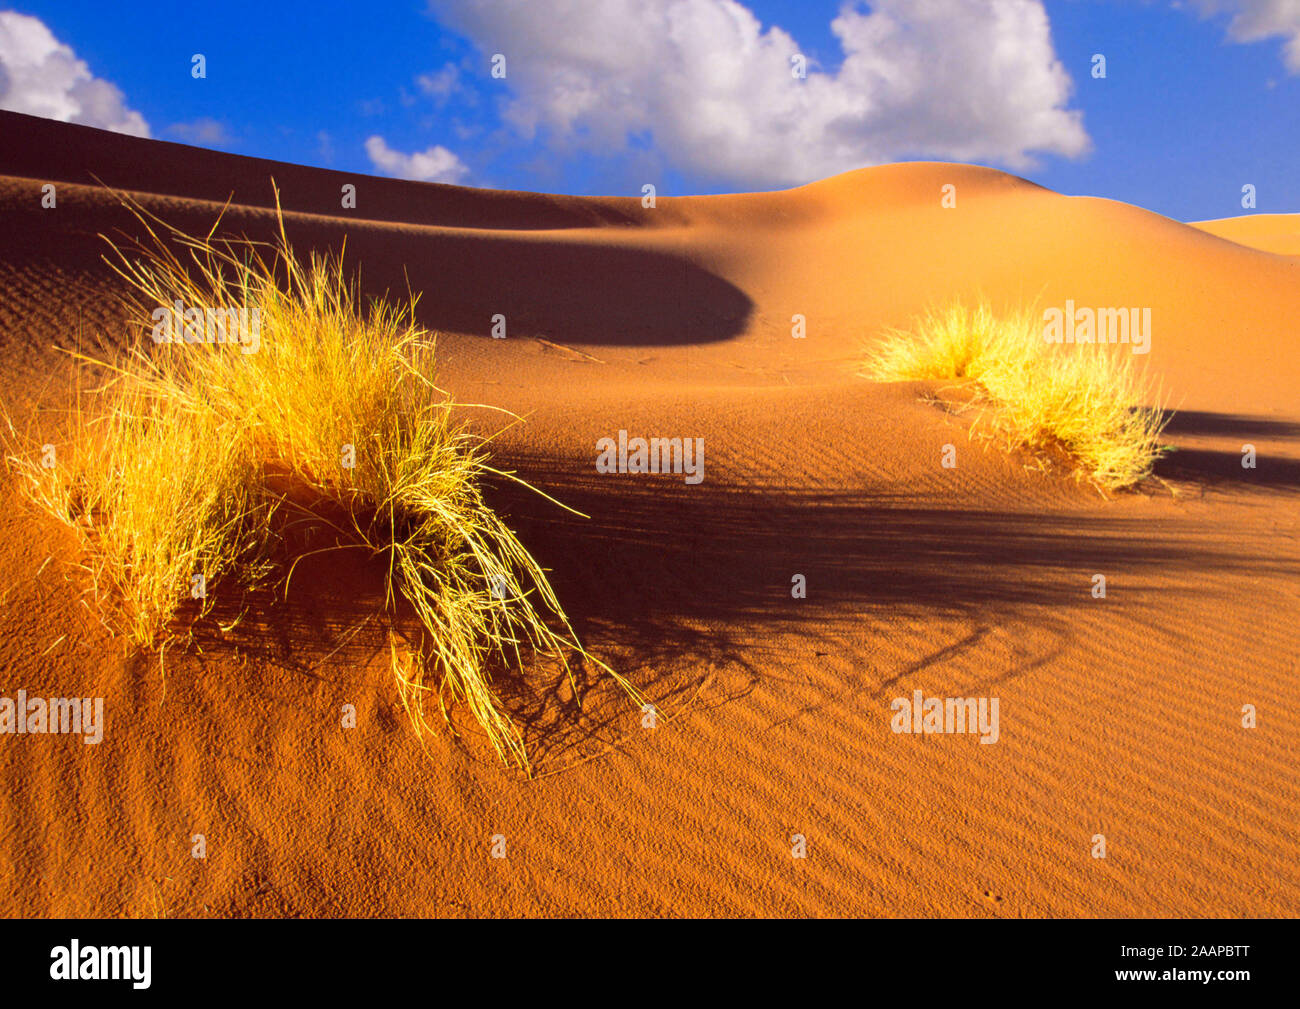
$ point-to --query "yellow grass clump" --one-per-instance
(1089, 401)
(194, 458)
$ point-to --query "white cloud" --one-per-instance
(436, 164)
(978, 80)
(41, 76)
(1256, 20)
(441, 84)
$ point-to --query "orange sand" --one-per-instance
(1119, 716)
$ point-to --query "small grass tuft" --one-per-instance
(196, 457)
(1089, 401)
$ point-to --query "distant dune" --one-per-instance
(1119, 716)
(1278, 233)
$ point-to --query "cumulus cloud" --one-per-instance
(41, 76)
(714, 89)
(1256, 20)
(435, 164)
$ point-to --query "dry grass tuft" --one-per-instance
(1091, 402)
(195, 457)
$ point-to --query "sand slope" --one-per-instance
(1118, 716)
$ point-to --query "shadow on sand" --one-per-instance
(666, 572)
(665, 578)
(1214, 467)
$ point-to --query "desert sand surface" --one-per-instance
(1119, 716)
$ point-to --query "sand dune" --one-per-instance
(1119, 716)
(1277, 233)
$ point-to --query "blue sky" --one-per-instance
(1199, 99)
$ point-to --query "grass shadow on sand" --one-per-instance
(1215, 468)
(1220, 468)
(663, 580)
(666, 573)
(1228, 425)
